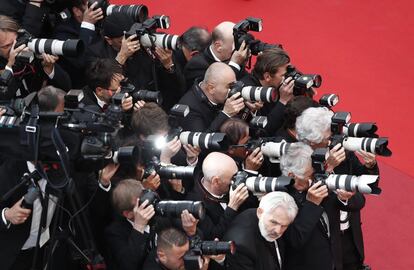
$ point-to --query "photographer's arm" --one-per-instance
(34, 17)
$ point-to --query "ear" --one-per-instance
(161, 255)
(259, 212)
(128, 214)
(99, 90)
(291, 175)
(218, 45)
(215, 180)
(267, 77)
(193, 53)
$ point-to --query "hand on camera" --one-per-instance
(240, 56)
(152, 182)
(129, 46)
(344, 195)
(254, 106)
(92, 15)
(48, 62)
(192, 153)
(13, 53)
(2, 111)
(138, 105)
(316, 192)
(254, 161)
(127, 103)
(142, 215)
(369, 159)
(238, 196)
(336, 156)
(286, 90)
(17, 215)
(189, 223)
(165, 57)
(233, 105)
(169, 150)
(107, 173)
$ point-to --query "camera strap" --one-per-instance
(29, 133)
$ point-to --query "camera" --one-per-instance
(274, 150)
(70, 47)
(258, 122)
(367, 184)
(149, 38)
(172, 208)
(341, 130)
(240, 34)
(138, 13)
(145, 95)
(303, 82)
(254, 93)
(169, 171)
(206, 141)
(261, 184)
(329, 100)
(192, 258)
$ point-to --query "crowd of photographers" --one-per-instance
(123, 147)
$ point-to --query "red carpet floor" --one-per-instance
(362, 49)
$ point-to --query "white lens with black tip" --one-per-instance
(366, 184)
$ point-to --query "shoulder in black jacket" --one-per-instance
(253, 252)
(203, 115)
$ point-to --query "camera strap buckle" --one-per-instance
(31, 129)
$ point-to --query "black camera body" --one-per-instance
(198, 248)
(241, 33)
(144, 95)
(172, 209)
(303, 82)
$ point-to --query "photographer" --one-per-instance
(151, 121)
(80, 25)
(27, 77)
(258, 233)
(238, 133)
(220, 50)
(104, 81)
(193, 41)
(269, 71)
(132, 234)
(206, 100)
(318, 134)
(144, 72)
(214, 189)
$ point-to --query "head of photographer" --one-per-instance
(258, 233)
(25, 59)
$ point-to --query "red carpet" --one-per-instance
(362, 49)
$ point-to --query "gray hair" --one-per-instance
(296, 159)
(312, 123)
(277, 199)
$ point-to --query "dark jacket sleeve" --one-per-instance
(355, 203)
(275, 118)
(194, 122)
(299, 232)
(211, 230)
(33, 19)
(61, 79)
(128, 253)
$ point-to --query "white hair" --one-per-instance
(296, 159)
(312, 123)
(277, 199)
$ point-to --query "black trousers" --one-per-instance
(350, 255)
(24, 260)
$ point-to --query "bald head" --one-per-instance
(222, 40)
(219, 165)
(216, 82)
(223, 31)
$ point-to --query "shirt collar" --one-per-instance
(101, 103)
(214, 56)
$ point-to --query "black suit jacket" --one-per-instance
(13, 238)
(203, 116)
(252, 250)
(308, 245)
(197, 66)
